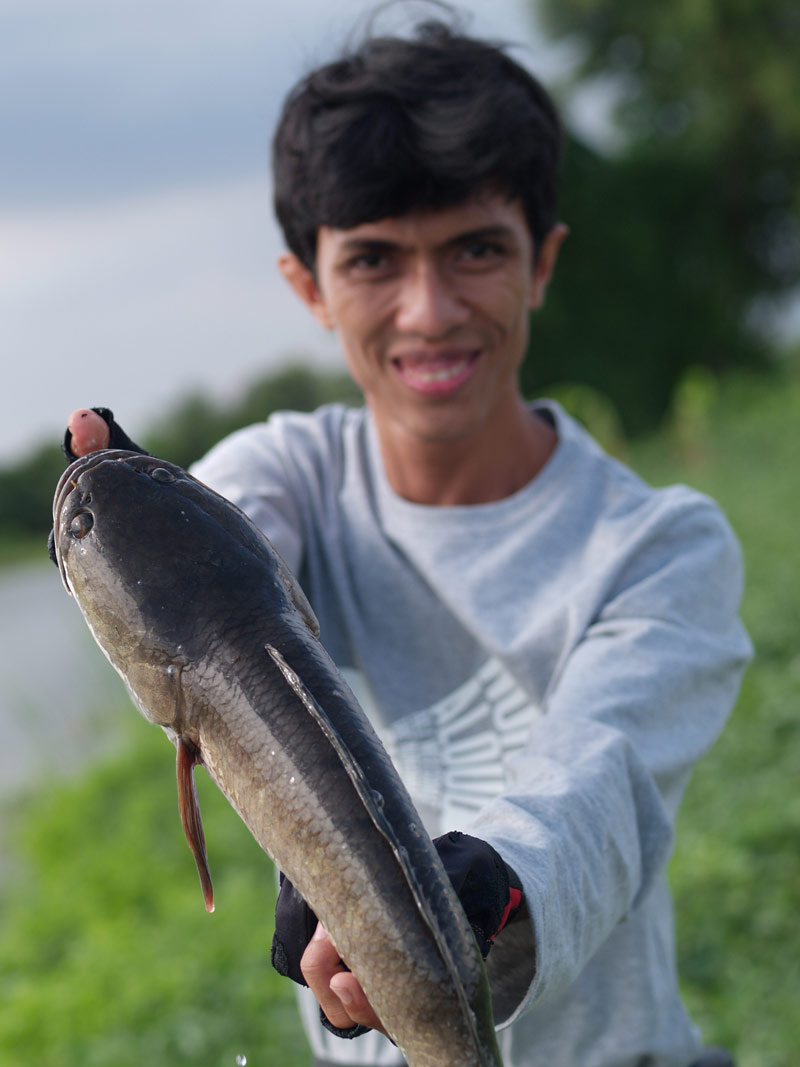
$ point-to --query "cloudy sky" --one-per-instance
(137, 246)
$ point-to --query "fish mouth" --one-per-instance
(68, 482)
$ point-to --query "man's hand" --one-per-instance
(339, 994)
(88, 432)
(301, 950)
(92, 429)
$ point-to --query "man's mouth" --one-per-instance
(436, 373)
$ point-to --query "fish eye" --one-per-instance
(81, 524)
(161, 474)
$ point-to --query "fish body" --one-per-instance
(217, 645)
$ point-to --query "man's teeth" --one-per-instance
(439, 374)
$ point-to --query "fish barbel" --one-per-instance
(218, 645)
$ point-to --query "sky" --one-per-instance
(137, 245)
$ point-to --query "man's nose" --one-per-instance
(429, 304)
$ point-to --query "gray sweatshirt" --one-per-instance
(544, 670)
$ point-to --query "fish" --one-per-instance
(218, 645)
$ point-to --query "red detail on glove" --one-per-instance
(514, 901)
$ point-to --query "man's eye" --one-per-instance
(368, 261)
(482, 250)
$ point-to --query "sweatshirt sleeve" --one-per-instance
(251, 468)
(588, 821)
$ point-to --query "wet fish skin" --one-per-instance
(217, 645)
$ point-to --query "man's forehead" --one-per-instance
(489, 211)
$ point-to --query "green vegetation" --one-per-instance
(106, 954)
(692, 215)
(26, 501)
(182, 436)
(196, 424)
(736, 872)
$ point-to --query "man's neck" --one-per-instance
(484, 467)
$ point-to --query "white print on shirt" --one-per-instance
(453, 756)
(371, 1048)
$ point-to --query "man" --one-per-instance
(545, 643)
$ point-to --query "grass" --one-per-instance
(107, 956)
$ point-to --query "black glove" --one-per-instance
(117, 439)
(295, 924)
(488, 889)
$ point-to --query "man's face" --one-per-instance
(431, 309)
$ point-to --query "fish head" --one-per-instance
(157, 563)
(117, 548)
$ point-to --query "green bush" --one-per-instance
(107, 956)
(192, 425)
(736, 870)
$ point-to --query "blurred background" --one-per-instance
(137, 252)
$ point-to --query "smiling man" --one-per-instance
(432, 309)
(545, 643)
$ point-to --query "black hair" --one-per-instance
(405, 123)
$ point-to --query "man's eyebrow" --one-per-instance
(482, 233)
(367, 244)
(381, 244)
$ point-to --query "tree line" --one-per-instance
(689, 225)
(182, 435)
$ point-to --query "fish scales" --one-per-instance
(218, 645)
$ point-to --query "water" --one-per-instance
(60, 700)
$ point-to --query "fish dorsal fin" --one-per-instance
(296, 594)
(382, 824)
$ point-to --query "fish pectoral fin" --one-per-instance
(189, 807)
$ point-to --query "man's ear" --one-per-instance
(545, 263)
(305, 285)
